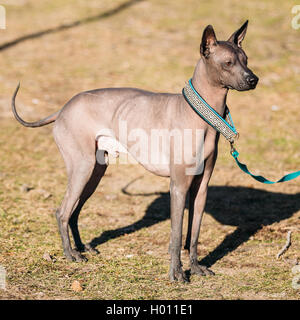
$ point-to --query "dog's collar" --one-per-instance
(227, 129)
(208, 114)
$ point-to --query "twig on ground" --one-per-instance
(286, 246)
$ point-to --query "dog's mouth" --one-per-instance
(243, 87)
(229, 87)
(246, 87)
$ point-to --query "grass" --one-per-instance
(152, 45)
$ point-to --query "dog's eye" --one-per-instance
(228, 63)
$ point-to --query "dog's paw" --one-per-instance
(201, 270)
(75, 256)
(177, 274)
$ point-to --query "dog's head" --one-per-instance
(226, 61)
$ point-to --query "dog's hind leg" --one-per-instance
(79, 154)
(82, 172)
(89, 189)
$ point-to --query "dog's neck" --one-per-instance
(214, 95)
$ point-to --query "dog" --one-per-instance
(79, 130)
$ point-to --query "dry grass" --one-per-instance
(153, 45)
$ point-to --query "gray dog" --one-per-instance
(80, 125)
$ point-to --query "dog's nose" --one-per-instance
(252, 80)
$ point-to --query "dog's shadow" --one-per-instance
(246, 208)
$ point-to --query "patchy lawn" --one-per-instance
(58, 48)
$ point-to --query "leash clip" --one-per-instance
(232, 148)
(233, 151)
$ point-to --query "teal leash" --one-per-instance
(226, 128)
(261, 179)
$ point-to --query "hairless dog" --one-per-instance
(80, 126)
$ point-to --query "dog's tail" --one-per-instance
(36, 124)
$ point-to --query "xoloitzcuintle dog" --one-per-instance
(222, 66)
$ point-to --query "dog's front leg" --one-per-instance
(198, 195)
(178, 191)
(198, 208)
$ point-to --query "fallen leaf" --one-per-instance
(76, 286)
(48, 257)
(25, 188)
(45, 194)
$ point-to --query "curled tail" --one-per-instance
(36, 124)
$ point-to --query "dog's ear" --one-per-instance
(208, 41)
(238, 36)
